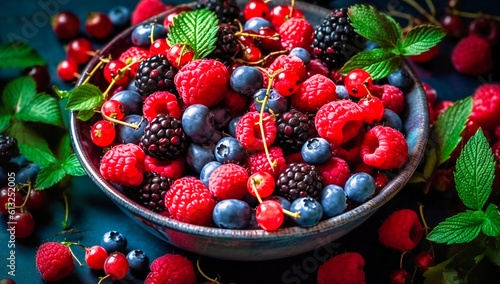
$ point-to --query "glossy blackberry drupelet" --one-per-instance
(227, 45)
(227, 11)
(155, 74)
(151, 193)
(294, 128)
(8, 148)
(300, 180)
(335, 40)
(164, 138)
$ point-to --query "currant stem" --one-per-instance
(27, 195)
(431, 6)
(254, 188)
(275, 36)
(121, 73)
(401, 258)
(151, 36)
(426, 227)
(291, 9)
(74, 256)
(473, 15)
(295, 215)
(103, 278)
(65, 223)
(263, 59)
(68, 244)
(204, 275)
(422, 11)
(89, 75)
(121, 122)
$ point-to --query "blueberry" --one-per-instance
(250, 199)
(138, 261)
(316, 151)
(20, 161)
(301, 53)
(199, 155)
(216, 137)
(131, 100)
(401, 78)
(246, 80)
(333, 200)
(253, 224)
(114, 241)
(232, 125)
(342, 93)
(310, 211)
(255, 24)
(370, 45)
(119, 16)
(131, 86)
(127, 134)
(207, 170)
(359, 187)
(222, 116)
(276, 102)
(26, 173)
(141, 34)
(229, 150)
(392, 119)
(232, 214)
(198, 123)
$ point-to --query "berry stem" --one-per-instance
(276, 36)
(426, 227)
(292, 6)
(204, 275)
(121, 73)
(263, 59)
(295, 215)
(121, 122)
(151, 36)
(472, 15)
(26, 198)
(254, 188)
(66, 205)
(401, 258)
(97, 67)
(103, 278)
(431, 6)
(74, 256)
(422, 11)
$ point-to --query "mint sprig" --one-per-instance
(83, 99)
(18, 54)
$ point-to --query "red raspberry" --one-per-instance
(296, 32)
(294, 158)
(171, 169)
(123, 164)
(188, 200)
(472, 56)
(147, 9)
(497, 132)
(132, 54)
(339, 121)
(161, 103)
(291, 63)
(202, 82)
(486, 107)
(361, 167)
(335, 171)
(430, 93)
(337, 77)
(249, 134)
(470, 130)
(228, 181)
(346, 268)
(384, 148)
(401, 231)
(317, 66)
(54, 261)
(391, 97)
(257, 162)
(441, 107)
(350, 150)
(235, 102)
(314, 93)
(171, 269)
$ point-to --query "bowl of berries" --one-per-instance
(229, 131)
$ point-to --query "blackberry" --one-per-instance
(293, 130)
(155, 74)
(335, 40)
(151, 193)
(227, 10)
(164, 138)
(300, 180)
(8, 148)
(227, 43)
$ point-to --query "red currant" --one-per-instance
(111, 70)
(373, 109)
(252, 54)
(103, 133)
(399, 276)
(169, 19)
(454, 25)
(257, 8)
(113, 109)
(41, 76)
(66, 25)
(358, 82)
(286, 83)
(116, 266)
(98, 25)
(269, 215)
(281, 13)
(159, 46)
(95, 257)
(424, 260)
(25, 224)
(484, 28)
(9, 199)
(426, 56)
(264, 183)
(180, 55)
(267, 42)
(80, 50)
(67, 70)
(248, 40)
(380, 181)
(36, 199)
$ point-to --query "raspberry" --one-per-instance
(361, 167)
(315, 67)
(350, 150)
(296, 32)
(171, 269)
(161, 102)
(472, 56)
(486, 106)
(401, 231)
(430, 93)
(54, 261)
(294, 158)
(188, 200)
(441, 107)
(293, 130)
(132, 54)
(123, 164)
(346, 268)
(339, 121)
(391, 97)
(147, 9)
(249, 134)
(8, 148)
(335, 171)
(228, 181)
(235, 102)
(257, 162)
(155, 74)
(151, 193)
(289, 62)
(164, 138)
(314, 93)
(173, 170)
(300, 180)
(202, 82)
(384, 148)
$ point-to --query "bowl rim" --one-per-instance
(391, 189)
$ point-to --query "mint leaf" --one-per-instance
(19, 94)
(59, 93)
(18, 54)
(378, 62)
(85, 97)
(198, 29)
(43, 108)
(49, 176)
(375, 26)
(32, 145)
(461, 228)
(72, 166)
(475, 171)
(491, 225)
(4, 119)
(64, 149)
(421, 39)
(85, 115)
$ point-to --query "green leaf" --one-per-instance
(49, 176)
(18, 54)
(421, 39)
(378, 62)
(85, 115)
(65, 147)
(417, 178)
(374, 25)
(61, 94)
(72, 166)
(43, 108)
(430, 164)
(32, 145)
(461, 228)
(475, 171)
(85, 97)
(491, 225)
(4, 119)
(19, 94)
(198, 29)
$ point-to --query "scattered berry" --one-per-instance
(146, 9)
(155, 74)
(66, 25)
(229, 150)
(399, 276)
(486, 106)
(207, 170)
(286, 83)
(173, 170)
(257, 162)
(173, 269)
(401, 231)
(373, 109)
(246, 80)
(151, 193)
(138, 261)
(275, 101)
(424, 260)
(98, 25)
(346, 268)
(291, 63)
(111, 71)
(453, 24)
(316, 151)
(95, 257)
(263, 183)
(391, 97)
(227, 10)
(296, 32)
(116, 266)
(133, 54)
(8, 148)
(80, 50)
(257, 8)
(401, 79)
(180, 55)
(126, 134)
(114, 241)
(113, 109)
(67, 70)
(54, 261)
(472, 56)
(161, 103)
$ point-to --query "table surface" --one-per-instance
(93, 214)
